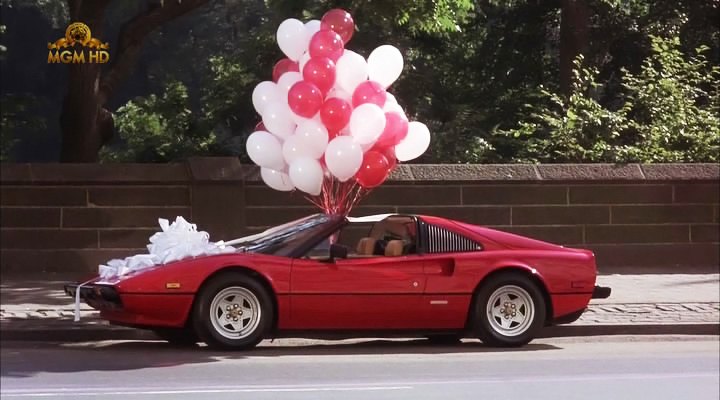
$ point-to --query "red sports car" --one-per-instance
(379, 275)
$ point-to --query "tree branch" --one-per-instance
(132, 35)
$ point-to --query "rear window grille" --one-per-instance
(441, 240)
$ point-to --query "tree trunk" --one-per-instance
(81, 107)
(574, 38)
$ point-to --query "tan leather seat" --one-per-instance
(366, 246)
(394, 248)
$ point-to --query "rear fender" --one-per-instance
(519, 267)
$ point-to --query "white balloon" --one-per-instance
(367, 146)
(312, 27)
(292, 38)
(343, 157)
(385, 65)
(276, 179)
(299, 119)
(277, 118)
(367, 122)
(415, 143)
(295, 148)
(314, 134)
(351, 69)
(285, 82)
(307, 175)
(265, 92)
(265, 150)
(303, 60)
(394, 107)
(340, 93)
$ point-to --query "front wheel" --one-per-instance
(233, 311)
(509, 310)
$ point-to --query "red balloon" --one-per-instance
(396, 128)
(283, 66)
(326, 43)
(389, 154)
(339, 21)
(320, 72)
(369, 92)
(305, 99)
(373, 171)
(335, 114)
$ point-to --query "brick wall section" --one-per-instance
(69, 218)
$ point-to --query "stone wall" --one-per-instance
(67, 218)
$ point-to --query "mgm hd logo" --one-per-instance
(78, 47)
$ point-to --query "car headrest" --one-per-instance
(394, 248)
(366, 246)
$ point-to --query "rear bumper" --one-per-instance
(601, 292)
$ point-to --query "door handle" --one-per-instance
(445, 267)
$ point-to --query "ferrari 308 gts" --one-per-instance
(391, 274)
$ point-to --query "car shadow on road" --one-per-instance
(387, 346)
(29, 359)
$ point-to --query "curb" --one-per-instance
(631, 329)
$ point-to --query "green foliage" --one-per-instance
(55, 11)
(159, 129)
(434, 16)
(483, 75)
(18, 118)
(229, 89)
(3, 49)
(668, 112)
(165, 128)
(676, 106)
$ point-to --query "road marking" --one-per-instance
(60, 392)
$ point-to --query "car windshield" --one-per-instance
(281, 240)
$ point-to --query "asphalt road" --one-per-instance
(566, 368)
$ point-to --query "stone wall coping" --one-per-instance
(229, 169)
(62, 174)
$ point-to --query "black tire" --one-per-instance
(524, 319)
(177, 336)
(444, 339)
(250, 295)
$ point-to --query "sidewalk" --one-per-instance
(639, 304)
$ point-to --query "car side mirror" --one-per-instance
(338, 251)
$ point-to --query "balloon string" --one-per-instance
(338, 197)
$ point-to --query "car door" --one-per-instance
(452, 264)
(357, 293)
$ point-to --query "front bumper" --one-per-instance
(99, 297)
(601, 292)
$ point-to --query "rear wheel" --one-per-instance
(509, 310)
(233, 311)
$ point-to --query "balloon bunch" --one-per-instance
(329, 127)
